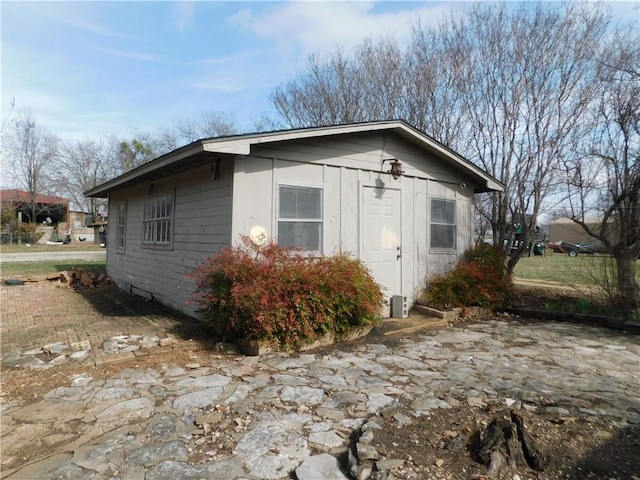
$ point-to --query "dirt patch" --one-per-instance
(439, 445)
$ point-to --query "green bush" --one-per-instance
(479, 278)
(275, 294)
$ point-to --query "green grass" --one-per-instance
(29, 269)
(49, 248)
(560, 267)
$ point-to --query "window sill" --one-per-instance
(152, 246)
(443, 251)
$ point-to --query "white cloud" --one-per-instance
(185, 14)
(146, 57)
(320, 26)
(222, 82)
(77, 15)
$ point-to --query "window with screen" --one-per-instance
(300, 217)
(443, 224)
(121, 222)
(157, 220)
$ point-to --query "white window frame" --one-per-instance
(319, 220)
(157, 220)
(454, 225)
(121, 227)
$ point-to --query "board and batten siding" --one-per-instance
(342, 166)
(201, 227)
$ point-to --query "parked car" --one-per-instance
(571, 249)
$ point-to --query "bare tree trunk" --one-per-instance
(627, 283)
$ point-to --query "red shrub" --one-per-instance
(477, 279)
(276, 294)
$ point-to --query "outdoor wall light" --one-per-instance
(396, 167)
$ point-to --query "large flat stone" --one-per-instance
(322, 466)
(271, 452)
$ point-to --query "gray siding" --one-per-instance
(342, 168)
(201, 226)
(211, 214)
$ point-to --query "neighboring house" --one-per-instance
(325, 190)
(49, 209)
(565, 229)
(50, 213)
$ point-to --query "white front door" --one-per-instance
(381, 239)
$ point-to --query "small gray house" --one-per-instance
(382, 191)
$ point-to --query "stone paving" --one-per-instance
(265, 417)
(234, 417)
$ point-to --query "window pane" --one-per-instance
(300, 202)
(443, 211)
(443, 236)
(305, 235)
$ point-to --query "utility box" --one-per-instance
(399, 306)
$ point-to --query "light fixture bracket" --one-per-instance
(395, 169)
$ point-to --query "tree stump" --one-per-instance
(506, 445)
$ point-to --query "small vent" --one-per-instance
(141, 293)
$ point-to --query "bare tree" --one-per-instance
(604, 180)
(528, 82)
(81, 166)
(152, 144)
(208, 125)
(328, 92)
(31, 151)
(507, 88)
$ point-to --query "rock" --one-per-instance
(402, 419)
(113, 393)
(81, 345)
(475, 401)
(59, 360)
(226, 468)
(150, 341)
(32, 350)
(57, 438)
(154, 453)
(161, 426)
(199, 399)
(214, 380)
(165, 342)
(429, 403)
(17, 360)
(271, 452)
(325, 441)
(302, 395)
(330, 413)
(362, 455)
(323, 466)
(54, 348)
(79, 356)
(86, 279)
(377, 401)
(122, 412)
(68, 471)
(111, 346)
(80, 380)
(174, 371)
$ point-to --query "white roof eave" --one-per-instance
(241, 145)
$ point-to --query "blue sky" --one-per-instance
(93, 69)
